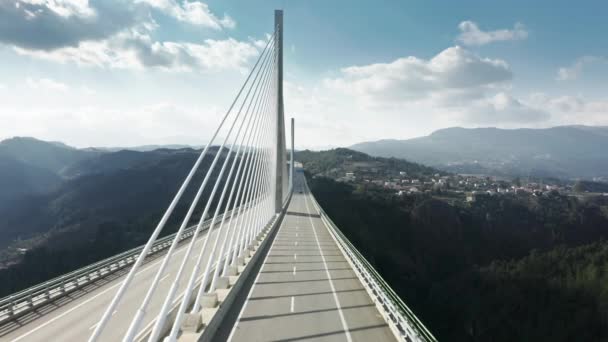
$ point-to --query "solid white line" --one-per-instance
(331, 283)
(292, 303)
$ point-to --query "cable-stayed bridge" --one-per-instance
(262, 263)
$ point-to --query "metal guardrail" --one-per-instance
(410, 328)
(22, 302)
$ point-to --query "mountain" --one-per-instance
(563, 152)
(144, 148)
(123, 159)
(110, 203)
(18, 179)
(51, 156)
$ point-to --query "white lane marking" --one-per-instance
(85, 302)
(163, 278)
(295, 243)
(296, 234)
(295, 256)
(292, 303)
(331, 283)
(294, 270)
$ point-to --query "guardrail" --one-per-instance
(403, 321)
(22, 302)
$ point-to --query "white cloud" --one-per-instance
(51, 24)
(470, 34)
(574, 71)
(63, 8)
(451, 74)
(193, 12)
(135, 49)
(455, 87)
(504, 110)
(71, 23)
(45, 84)
(569, 109)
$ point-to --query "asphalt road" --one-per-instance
(74, 318)
(305, 289)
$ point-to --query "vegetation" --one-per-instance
(343, 159)
(499, 269)
(110, 203)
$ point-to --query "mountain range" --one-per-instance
(561, 152)
(52, 192)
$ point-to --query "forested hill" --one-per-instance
(505, 268)
(87, 209)
(343, 159)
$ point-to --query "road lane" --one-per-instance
(305, 289)
(73, 321)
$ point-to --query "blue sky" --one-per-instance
(131, 72)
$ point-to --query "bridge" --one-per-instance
(263, 262)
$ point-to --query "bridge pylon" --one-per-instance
(281, 165)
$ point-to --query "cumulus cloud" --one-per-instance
(503, 109)
(51, 24)
(455, 87)
(118, 34)
(132, 50)
(574, 71)
(568, 109)
(471, 34)
(193, 12)
(86, 38)
(69, 22)
(63, 8)
(450, 75)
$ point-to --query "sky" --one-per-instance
(138, 72)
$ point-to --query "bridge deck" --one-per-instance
(73, 318)
(306, 290)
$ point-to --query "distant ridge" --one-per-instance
(562, 151)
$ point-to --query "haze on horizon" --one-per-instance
(140, 72)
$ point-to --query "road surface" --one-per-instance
(305, 289)
(76, 316)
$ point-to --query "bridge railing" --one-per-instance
(399, 316)
(23, 302)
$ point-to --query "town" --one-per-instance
(384, 174)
